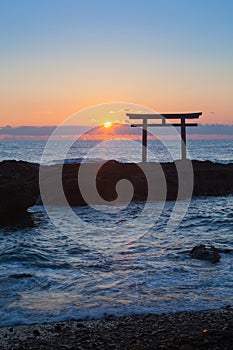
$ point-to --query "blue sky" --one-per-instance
(59, 56)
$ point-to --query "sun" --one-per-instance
(107, 124)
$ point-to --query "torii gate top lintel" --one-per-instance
(163, 117)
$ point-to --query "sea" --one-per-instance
(112, 261)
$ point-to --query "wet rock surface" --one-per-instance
(206, 330)
(203, 252)
(19, 183)
(19, 189)
(159, 181)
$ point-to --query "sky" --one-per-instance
(60, 56)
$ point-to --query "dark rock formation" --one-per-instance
(201, 252)
(19, 183)
(19, 188)
(212, 179)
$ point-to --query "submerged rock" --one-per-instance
(20, 275)
(202, 252)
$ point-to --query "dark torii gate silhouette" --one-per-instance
(163, 118)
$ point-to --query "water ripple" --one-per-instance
(48, 276)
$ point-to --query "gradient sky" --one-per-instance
(59, 56)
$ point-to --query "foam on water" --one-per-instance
(50, 275)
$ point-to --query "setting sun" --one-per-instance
(107, 124)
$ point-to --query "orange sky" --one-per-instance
(60, 57)
(50, 105)
(54, 113)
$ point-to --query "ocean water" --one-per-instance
(121, 150)
(110, 262)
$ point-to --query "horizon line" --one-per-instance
(83, 125)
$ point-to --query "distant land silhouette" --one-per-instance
(123, 129)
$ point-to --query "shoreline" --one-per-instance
(187, 330)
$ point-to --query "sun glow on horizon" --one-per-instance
(107, 124)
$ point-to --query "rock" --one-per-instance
(57, 328)
(80, 325)
(19, 183)
(201, 252)
(210, 179)
(36, 332)
(186, 347)
(19, 189)
(20, 275)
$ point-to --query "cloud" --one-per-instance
(121, 129)
(40, 130)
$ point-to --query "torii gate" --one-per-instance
(163, 117)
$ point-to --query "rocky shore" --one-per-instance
(205, 330)
(19, 188)
(19, 182)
